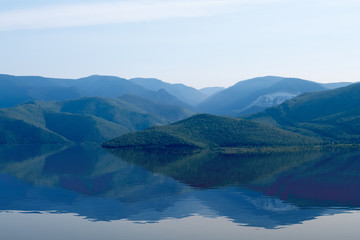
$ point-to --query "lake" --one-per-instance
(86, 192)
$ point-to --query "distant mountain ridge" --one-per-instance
(209, 91)
(243, 98)
(188, 95)
(16, 90)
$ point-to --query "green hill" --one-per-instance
(208, 131)
(40, 122)
(14, 131)
(83, 120)
(333, 114)
(331, 117)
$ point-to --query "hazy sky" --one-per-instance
(197, 42)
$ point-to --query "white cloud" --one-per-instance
(76, 15)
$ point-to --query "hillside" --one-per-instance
(208, 131)
(83, 120)
(186, 94)
(334, 114)
(15, 131)
(255, 95)
(49, 120)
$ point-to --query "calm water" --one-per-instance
(85, 192)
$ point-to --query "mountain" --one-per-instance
(186, 94)
(255, 95)
(107, 86)
(83, 120)
(208, 91)
(16, 90)
(210, 132)
(333, 114)
(326, 117)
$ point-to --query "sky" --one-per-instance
(200, 43)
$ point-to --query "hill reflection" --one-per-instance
(256, 190)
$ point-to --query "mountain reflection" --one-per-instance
(306, 179)
(257, 190)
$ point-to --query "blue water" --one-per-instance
(85, 192)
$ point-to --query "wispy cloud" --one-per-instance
(76, 15)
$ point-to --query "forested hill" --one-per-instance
(209, 132)
(327, 117)
(332, 114)
(83, 120)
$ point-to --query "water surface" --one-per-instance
(85, 192)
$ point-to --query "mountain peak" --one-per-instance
(243, 97)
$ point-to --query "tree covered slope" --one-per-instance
(83, 120)
(209, 131)
(326, 117)
(332, 114)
